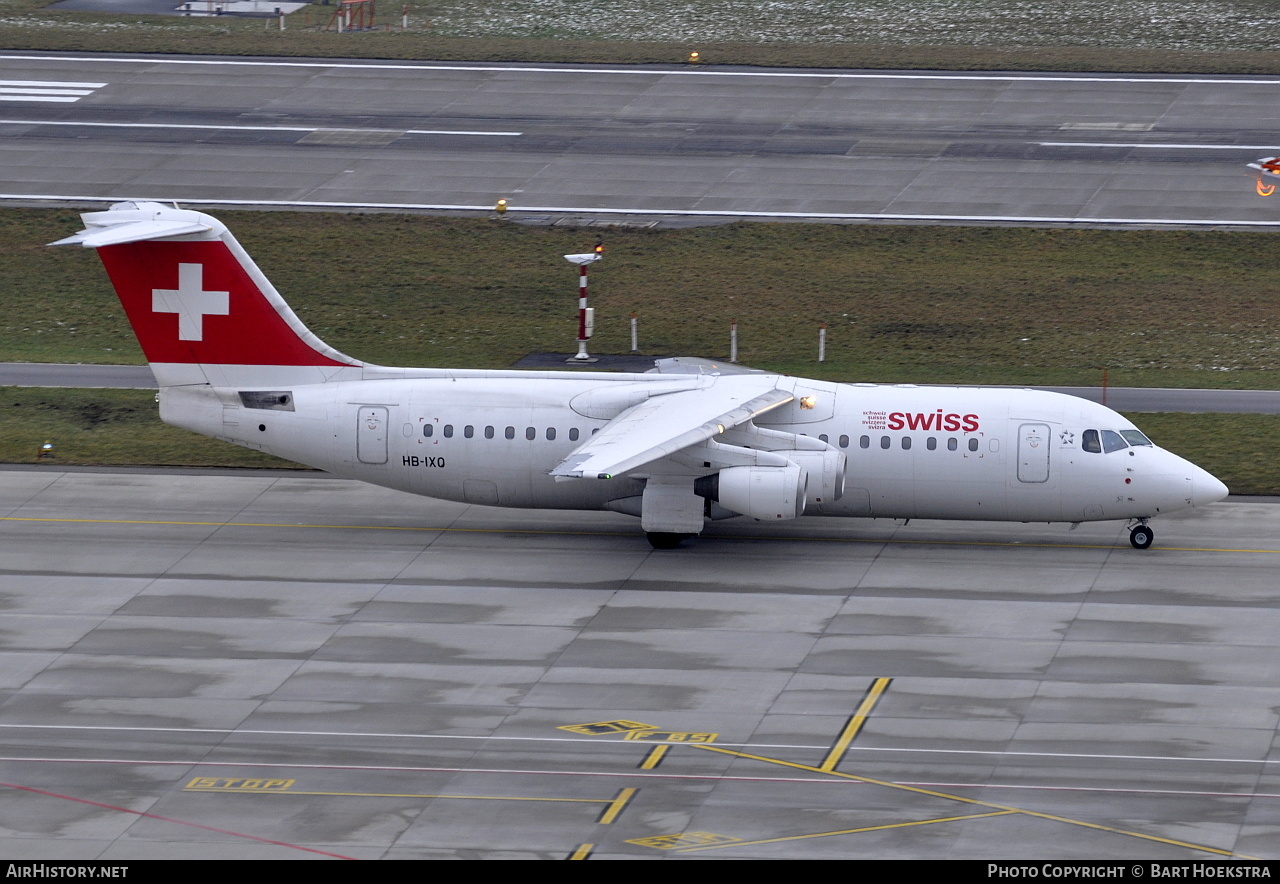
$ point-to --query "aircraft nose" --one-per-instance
(1206, 489)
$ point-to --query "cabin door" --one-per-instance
(1033, 453)
(371, 434)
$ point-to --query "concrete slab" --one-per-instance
(436, 680)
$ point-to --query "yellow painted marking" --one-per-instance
(600, 728)
(974, 801)
(654, 758)
(682, 840)
(616, 806)
(234, 784)
(630, 534)
(943, 819)
(670, 737)
(582, 851)
(608, 801)
(851, 728)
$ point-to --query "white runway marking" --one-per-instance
(652, 72)
(674, 213)
(756, 747)
(1157, 146)
(631, 774)
(45, 90)
(220, 128)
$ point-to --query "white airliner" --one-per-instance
(688, 442)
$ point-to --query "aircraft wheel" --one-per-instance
(1141, 537)
(665, 540)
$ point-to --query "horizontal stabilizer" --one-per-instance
(130, 231)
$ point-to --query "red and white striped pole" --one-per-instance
(584, 323)
(582, 311)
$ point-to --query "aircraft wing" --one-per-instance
(663, 425)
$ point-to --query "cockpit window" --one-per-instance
(1089, 442)
(1135, 437)
(1112, 441)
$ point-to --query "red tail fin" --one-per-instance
(194, 296)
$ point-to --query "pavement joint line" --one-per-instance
(820, 74)
(855, 723)
(945, 819)
(628, 534)
(974, 801)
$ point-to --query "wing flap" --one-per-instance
(666, 424)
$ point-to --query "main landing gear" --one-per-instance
(1141, 535)
(666, 540)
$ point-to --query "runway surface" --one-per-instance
(667, 143)
(200, 664)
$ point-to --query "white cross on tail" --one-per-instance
(191, 302)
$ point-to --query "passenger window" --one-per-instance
(906, 443)
(510, 432)
(530, 433)
(594, 430)
(428, 430)
(488, 432)
(448, 431)
(844, 441)
(1089, 442)
(468, 431)
(551, 434)
(864, 442)
(1112, 441)
(822, 437)
(931, 443)
(952, 444)
(973, 444)
(884, 441)
(573, 434)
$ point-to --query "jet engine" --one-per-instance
(825, 470)
(763, 492)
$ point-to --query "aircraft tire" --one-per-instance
(664, 539)
(1141, 537)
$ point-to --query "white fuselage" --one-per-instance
(912, 452)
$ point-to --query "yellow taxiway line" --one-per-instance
(942, 819)
(836, 755)
(918, 790)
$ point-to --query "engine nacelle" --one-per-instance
(825, 470)
(764, 492)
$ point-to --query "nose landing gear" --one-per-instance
(1141, 535)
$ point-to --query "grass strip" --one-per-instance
(903, 304)
(1217, 36)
